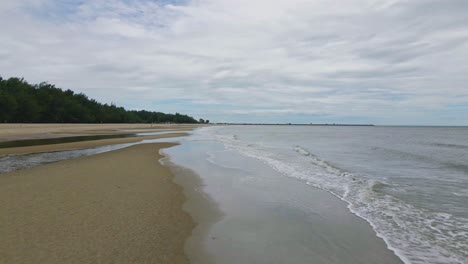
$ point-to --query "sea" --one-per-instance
(330, 194)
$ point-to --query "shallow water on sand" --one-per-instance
(10, 163)
(70, 139)
(269, 218)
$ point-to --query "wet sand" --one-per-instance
(248, 213)
(38, 131)
(82, 144)
(116, 207)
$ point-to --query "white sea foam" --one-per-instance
(416, 235)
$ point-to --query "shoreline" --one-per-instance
(205, 211)
(262, 202)
(106, 207)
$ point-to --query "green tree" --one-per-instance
(8, 107)
(22, 102)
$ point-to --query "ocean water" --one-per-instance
(408, 183)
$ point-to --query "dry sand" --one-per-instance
(115, 207)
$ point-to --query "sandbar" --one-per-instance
(116, 207)
(37, 131)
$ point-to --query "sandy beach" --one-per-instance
(10, 132)
(82, 144)
(115, 207)
(38, 131)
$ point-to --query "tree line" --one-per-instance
(21, 102)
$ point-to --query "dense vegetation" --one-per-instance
(21, 102)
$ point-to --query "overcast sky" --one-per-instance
(305, 61)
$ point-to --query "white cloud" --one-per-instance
(378, 60)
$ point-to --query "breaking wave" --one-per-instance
(415, 235)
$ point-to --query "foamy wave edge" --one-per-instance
(389, 217)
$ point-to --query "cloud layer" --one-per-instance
(383, 62)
